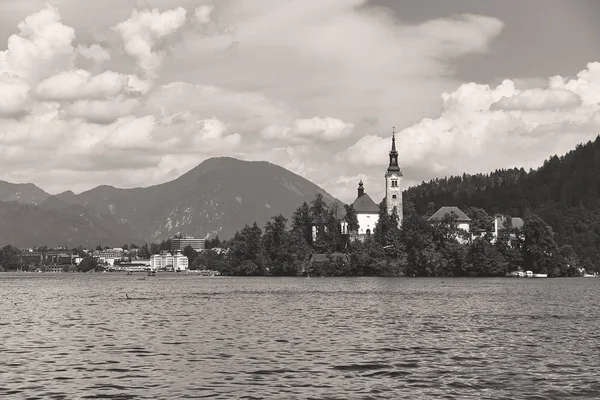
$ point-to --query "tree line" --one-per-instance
(418, 248)
(564, 192)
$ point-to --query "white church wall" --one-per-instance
(367, 222)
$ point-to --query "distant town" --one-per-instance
(168, 256)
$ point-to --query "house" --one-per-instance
(169, 262)
(463, 221)
(516, 226)
(367, 212)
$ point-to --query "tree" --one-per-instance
(125, 247)
(480, 219)
(190, 253)
(88, 263)
(212, 243)
(540, 252)
(246, 245)
(318, 207)
(144, 252)
(351, 218)
(421, 254)
(367, 257)
(10, 258)
(155, 248)
(274, 241)
(386, 231)
(484, 259)
(302, 222)
(571, 266)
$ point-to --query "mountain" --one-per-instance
(26, 193)
(218, 196)
(55, 223)
(565, 192)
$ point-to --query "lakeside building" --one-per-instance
(49, 257)
(109, 256)
(169, 262)
(180, 243)
(463, 221)
(515, 225)
(133, 266)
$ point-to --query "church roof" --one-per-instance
(365, 205)
(443, 211)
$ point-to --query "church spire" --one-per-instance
(361, 189)
(393, 167)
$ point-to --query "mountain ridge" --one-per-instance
(218, 196)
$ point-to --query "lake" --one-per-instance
(65, 336)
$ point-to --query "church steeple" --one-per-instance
(361, 189)
(394, 167)
(393, 183)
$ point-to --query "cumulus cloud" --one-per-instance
(14, 96)
(309, 129)
(42, 47)
(203, 13)
(94, 52)
(143, 31)
(482, 128)
(80, 84)
(102, 111)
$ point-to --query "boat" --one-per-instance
(540, 275)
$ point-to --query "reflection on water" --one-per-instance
(77, 336)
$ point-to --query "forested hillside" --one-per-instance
(565, 192)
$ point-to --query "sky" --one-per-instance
(134, 93)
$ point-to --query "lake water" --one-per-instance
(65, 336)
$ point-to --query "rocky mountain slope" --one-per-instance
(219, 196)
(26, 225)
(26, 193)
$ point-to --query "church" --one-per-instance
(367, 210)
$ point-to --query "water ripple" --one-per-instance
(77, 336)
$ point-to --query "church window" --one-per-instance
(394, 183)
(394, 197)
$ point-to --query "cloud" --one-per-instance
(94, 52)
(80, 84)
(482, 128)
(312, 129)
(102, 111)
(14, 96)
(42, 47)
(203, 13)
(143, 31)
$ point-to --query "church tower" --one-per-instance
(393, 183)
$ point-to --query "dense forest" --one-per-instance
(564, 192)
